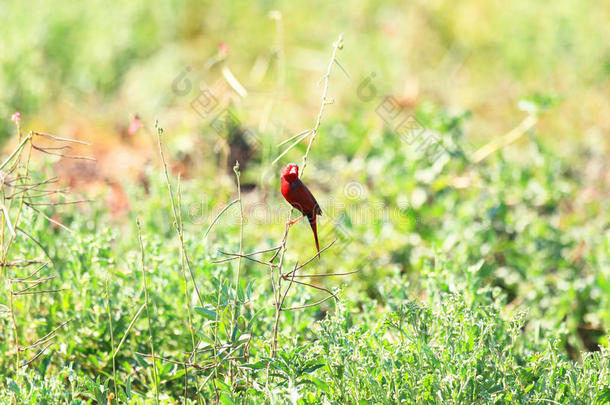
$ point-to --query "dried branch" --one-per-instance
(165, 359)
(25, 263)
(314, 256)
(36, 242)
(23, 292)
(308, 305)
(45, 193)
(326, 274)
(237, 255)
(36, 356)
(218, 216)
(135, 318)
(57, 138)
(58, 203)
(48, 152)
(248, 254)
(498, 143)
(45, 338)
(34, 185)
(292, 280)
(49, 218)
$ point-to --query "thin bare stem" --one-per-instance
(246, 255)
(238, 267)
(147, 303)
(37, 292)
(36, 242)
(488, 149)
(185, 262)
(175, 212)
(292, 145)
(62, 155)
(133, 321)
(36, 356)
(218, 216)
(314, 131)
(111, 335)
(51, 220)
(17, 151)
(182, 363)
(239, 256)
(26, 263)
(27, 278)
(187, 295)
(306, 132)
(7, 244)
(325, 274)
(59, 203)
(17, 178)
(289, 285)
(34, 283)
(60, 139)
(315, 256)
(45, 338)
(308, 305)
(45, 193)
(292, 280)
(216, 337)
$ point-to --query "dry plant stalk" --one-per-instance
(505, 140)
(18, 193)
(185, 262)
(147, 304)
(186, 265)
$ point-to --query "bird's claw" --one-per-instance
(290, 223)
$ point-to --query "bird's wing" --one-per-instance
(313, 206)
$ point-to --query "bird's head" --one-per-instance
(290, 172)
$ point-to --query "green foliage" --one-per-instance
(463, 324)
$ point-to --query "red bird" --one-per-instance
(299, 196)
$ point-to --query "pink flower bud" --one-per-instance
(16, 117)
(134, 125)
(223, 49)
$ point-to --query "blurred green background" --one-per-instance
(104, 58)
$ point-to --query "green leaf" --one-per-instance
(12, 385)
(205, 337)
(320, 384)
(206, 312)
(240, 293)
(604, 396)
(226, 399)
(313, 368)
(254, 366)
(234, 334)
(223, 386)
(249, 290)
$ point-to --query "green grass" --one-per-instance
(478, 280)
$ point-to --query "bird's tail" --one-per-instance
(314, 228)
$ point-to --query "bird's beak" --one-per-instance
(294, 170)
